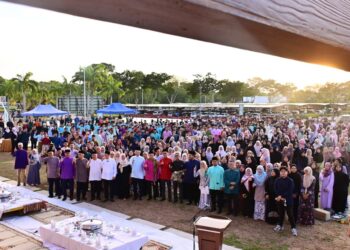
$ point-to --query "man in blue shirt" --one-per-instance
(190, 185)
(216, 185)
(232, 181)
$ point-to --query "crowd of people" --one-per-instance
(259, 168)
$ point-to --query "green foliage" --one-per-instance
(130, 86)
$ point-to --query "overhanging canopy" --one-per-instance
(44, 110)
(116, 108)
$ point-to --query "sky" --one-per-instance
(52, 45)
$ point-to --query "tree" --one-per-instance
(24, 85)
(111, 88)
(154, 82)
(172, 90)
(231, 91)
(133, 82)
(205, 85)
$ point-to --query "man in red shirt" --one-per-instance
(165, 175)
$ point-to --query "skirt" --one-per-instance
(259, 210)
(34, 174)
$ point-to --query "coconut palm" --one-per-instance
(111, 88)
(24, 85)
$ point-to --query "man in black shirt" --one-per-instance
(177, 169)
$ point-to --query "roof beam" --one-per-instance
(315, 31)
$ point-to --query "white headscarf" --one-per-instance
(308, 178)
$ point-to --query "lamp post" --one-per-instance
(200, 100)
(84, 98)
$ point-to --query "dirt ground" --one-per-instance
(243, 232)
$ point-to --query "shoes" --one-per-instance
(278, 229)
(105, 200)
(163, 199)
(50, 196)
(64, 198)
(92, 199)
(59, 197)
(111, 200)
(189, 203)
(294, 232)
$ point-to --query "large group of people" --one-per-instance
(259, 168)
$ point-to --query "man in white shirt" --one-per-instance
(137, 174)
(95, 166)
(109, 172)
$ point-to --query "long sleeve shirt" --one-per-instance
(284, 187)
(189, 171)
(81, 170)
(67, 168)
(53, 166)
(109, 169)
(232, 175)
(216, 177)
(95, 170)
(136, 163)
(164, 168)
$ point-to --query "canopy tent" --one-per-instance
(117, 108)
(44, 110)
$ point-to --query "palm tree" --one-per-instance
(110, 88)
(24, 85)
(7, 88)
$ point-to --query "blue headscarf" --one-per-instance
(259, 179)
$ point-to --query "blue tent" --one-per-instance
(117, 108)
(44, 110)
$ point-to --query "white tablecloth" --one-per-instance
(120, 241)
(22, 199)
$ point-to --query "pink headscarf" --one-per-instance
(337, 153)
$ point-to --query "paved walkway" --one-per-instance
(20, 239)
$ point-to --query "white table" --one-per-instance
(20, 202)
(121, 240)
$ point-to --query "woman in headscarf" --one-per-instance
(221, 152)
(257, 149)
(316, 174)
(270, 195)
(208, 155)
(307, 198)
(269, 168)
(33, 178)
(184, 157)
(259, 195)
(230, 141)
(309, 157)
(123, 177)
(340, 190)
(204, 202)
(336, 153)
(247, 193)
(276, 155)
(327, 180)
(265, 155)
